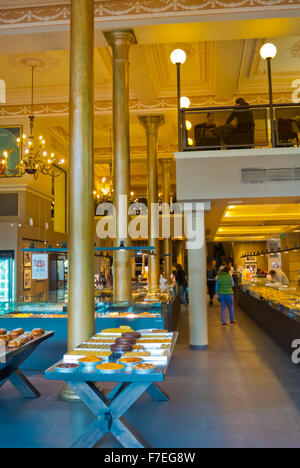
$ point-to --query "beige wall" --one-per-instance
(240, 248)
(291, 261)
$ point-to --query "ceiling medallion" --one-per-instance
(295, 50)
(42, 62)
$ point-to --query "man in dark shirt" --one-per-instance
(243, 133)
(204, 132)
(182, 284)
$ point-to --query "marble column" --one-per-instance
(120, 42)
(197, 288)
(81, 183)
(81, 323)
(167, 241)
(151, 124)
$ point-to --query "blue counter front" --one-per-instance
(52, 350)
(54, 317)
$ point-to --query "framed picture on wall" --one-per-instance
(8, 143)
(27, 279)
(27, 259)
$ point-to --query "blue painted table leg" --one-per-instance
(3, 382)
(116, 390)
(24, 387)
(157, 393)
(127, 398)
(125, 435)
(90, 437)
(108, 415)
(91, 396)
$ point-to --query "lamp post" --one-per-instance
(178, 58)
(268, 52)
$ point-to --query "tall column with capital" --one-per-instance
(151, 124)
(81, 322)
(166, 166)
(81, 174)
(120, 42)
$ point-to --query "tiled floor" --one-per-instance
(242, 392)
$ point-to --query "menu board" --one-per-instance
(40, 267)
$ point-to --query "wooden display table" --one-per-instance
(10, 362)
(109, 409)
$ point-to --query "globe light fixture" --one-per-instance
(178, 56)
(268, 51)
(185, 102)
(188, 125)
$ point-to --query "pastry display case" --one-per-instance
(274, 309)
(284, 299)
(160, 312)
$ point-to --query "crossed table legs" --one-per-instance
(109, 411)
(10, 371)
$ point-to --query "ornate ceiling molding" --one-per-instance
(116, 9)
(137, 106)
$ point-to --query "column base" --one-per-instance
(67, 394)
(199, 347)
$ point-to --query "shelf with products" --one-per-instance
(275, 310)
(160, 311)
(285, 299)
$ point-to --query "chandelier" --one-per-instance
(106, 188)
(34, 157)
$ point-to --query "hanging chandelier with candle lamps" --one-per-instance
(106, 185)
(34, 157)
(106, 188)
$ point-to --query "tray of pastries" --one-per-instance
(17, 338)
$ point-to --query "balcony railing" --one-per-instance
(216, 128)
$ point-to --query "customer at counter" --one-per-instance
(278, 277)
(224, 290)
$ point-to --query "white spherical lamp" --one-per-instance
(188, 125)
(268, 51)
(185, 102)
(178, 56)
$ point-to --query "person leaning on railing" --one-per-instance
(243, 133)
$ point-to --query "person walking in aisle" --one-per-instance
(182, 284)
(224, 290)
(212, 273)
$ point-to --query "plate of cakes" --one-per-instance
(110, 367)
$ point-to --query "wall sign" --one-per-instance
(40, 267)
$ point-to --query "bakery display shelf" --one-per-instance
(11, 360)
(109, 408)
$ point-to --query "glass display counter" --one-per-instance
(275, 309)
(160, 311)
(287, 300)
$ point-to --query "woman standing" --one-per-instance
(212, 274)
(224, 290)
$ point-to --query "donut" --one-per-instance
(5, 339)
(3, 332)
(17, 332)
(38, 332)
